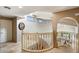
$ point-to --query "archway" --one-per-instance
(67, 29)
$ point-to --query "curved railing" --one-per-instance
(37, 42)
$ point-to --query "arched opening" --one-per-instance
(67, 29)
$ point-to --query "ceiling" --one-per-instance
(16, 11)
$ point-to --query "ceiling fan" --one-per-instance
(7, 7)
(37, 19)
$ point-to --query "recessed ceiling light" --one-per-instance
(20, 7)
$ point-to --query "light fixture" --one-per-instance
(20, 7)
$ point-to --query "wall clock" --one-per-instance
(21, 26)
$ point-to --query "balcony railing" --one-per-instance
(37, 42)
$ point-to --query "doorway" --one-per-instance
(5, 30)
(67, 29)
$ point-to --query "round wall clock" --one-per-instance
(21, 26)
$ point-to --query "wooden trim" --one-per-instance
(39, 33)
(14, 30)
(37, 51)
(70, 10)
(5, 17)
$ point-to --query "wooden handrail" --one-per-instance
(39, 33)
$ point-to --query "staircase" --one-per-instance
(42, 44)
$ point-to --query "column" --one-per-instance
(54, 28)
(14, 30)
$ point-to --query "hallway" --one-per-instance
(16, 48)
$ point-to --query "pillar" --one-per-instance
(54, 26)
(14, 30)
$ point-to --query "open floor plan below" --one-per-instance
(39, 29)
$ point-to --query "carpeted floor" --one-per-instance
(16, 48)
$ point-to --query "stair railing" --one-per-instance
(37, 42)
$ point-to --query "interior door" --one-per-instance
(5, 30)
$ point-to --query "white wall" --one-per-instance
(34, 27)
